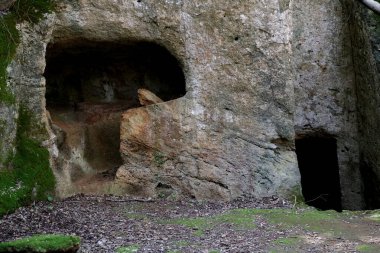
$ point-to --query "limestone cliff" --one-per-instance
(241, 83)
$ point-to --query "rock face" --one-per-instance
(365, 27)
(325, 91)
(220, 140)
(240, 83)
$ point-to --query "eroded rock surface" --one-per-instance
(221, 139)
(325, 87)
(253, 76)
(202, 144)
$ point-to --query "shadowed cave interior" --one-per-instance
(89, 85)
(318, 164)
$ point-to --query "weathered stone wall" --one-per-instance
(365, 34)
(27, 84)
(235, 124)
(27, 68)
(254, 71)
(325, 86)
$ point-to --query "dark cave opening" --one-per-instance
(90, 84)
(105, 72)
(318, 164)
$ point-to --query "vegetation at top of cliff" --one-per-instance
(29, 176)
(31, 10)
(22, 10)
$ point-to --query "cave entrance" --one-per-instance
(89, 85)
(318, 164)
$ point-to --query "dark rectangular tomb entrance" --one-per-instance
(318, 164)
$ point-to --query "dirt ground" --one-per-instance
(123, 225)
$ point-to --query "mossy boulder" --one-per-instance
(42, 243)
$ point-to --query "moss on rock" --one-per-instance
(29, 176)
(9, 38)
(42, 243)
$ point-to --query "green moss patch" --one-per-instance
(375, 216)
(41, 243)
(288, 244)
(310, 219)
(368, 248)
(29, 177)
(239, 218)
(331, 224)
(128, 249)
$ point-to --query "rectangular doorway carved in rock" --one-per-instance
(318, 164)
